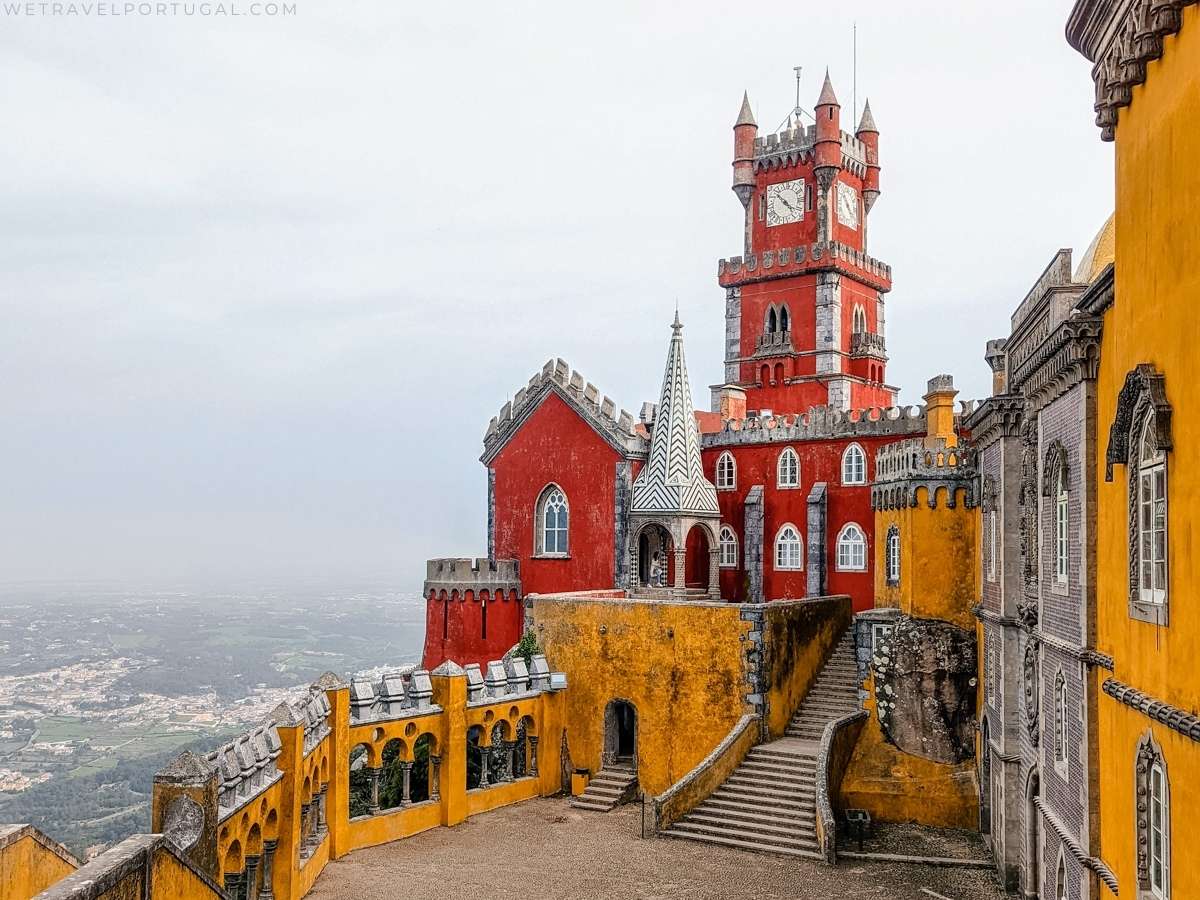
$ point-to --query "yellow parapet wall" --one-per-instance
(30, 862)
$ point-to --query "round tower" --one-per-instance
(869, 135)
(828, 145)
(745, 130)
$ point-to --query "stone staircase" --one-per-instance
(768, 804)
(610, 787)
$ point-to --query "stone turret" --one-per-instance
(827, 151)
(868, 133)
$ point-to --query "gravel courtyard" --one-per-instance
(546, 849)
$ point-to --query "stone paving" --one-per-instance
(546, 849)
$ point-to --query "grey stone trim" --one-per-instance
(820, 257)
(1097, 659)
(10, 834)
(1095, 864)
(756, 694)
(1070, 355)
(491, 513)
(821, 423)
(1173, 717)
(1121, 38)
(460, 574)
(904, 467)
(996, 417)
(622, 494)
(984, 614)
(618, 430)
(733, 334)
(752, 542)
(1144, 391)
(1100, 294)
(132, 858)
(816, 550)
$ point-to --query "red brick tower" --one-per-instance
(804, 303)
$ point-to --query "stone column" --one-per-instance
(484, 753)
(405, 793)
(435, 778)
(268, 871)
(373, 804)
(533, 741)
(251, 877)
(233, 885)
(714, 573)
(509, 752)
(680, 568)
(322, 825)
(304, 824)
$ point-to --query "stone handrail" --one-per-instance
(837, 743)
(126, 870)
(694, 787)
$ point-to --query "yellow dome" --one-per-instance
(1101, 252)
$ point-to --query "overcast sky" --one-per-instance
(264, 280)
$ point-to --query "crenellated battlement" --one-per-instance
(795, 145)
(407, 692)
(902, 468)
(789, 261)
(462, 572)
(246, 767)
(824, 422)
(617, 427)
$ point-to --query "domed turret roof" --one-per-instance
(1099, 254)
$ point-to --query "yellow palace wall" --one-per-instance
(1154, 320)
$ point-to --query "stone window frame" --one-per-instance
(727, 562)
(726, 472)
(858, 319)
(539, 524)
(855, 478)
(1149, 762)
(1150, 466)
(1060, 876)
(777, 545)
(848, 542)
(992, 538)
(1056, 488)
(1061, 723)
(1142, 411)
(787, 453)
(891, 555)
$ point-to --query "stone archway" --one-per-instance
(620, 734)
(1033, 838)
(655, 553)
(697, 560)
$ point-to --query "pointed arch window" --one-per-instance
(854, 465)
(1060, 878)
(789, 549)
(726, 472)
(728, 544)
(1151, 517)
(860, 320)
(851, 549)
(772, 321)
(552, 518)
(784, 320)
(788, 475)
(1153, 821)
(892, 555)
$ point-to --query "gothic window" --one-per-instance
(726, 472)
(789, 469)
(762, 206)
(784, 323)
(1151, 517)
(1153, 821)
(729, 548)
(892, 555)
(860, 320)
(854, 465)
(1061, 522)
(1060, 720)
(808, 197)
(991, 545)
(772, 321)
(852, 549)
(1060, 878)
(552, 515)
(789, 549)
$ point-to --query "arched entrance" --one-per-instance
(697, 558)
(655, 568)
(620, 734)
(1033, 838)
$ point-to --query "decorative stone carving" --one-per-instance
(1143, 389)
(184, 822)
(1032, 690)
(1028, 501)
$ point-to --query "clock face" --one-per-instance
(785, 202)
(847, 205)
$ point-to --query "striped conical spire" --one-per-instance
(673, 481)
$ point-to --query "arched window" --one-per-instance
(552, 517)
(854, 465)
(1060, 878)
(892, 554)
(789, 549)
(1060, 719)
(1160, 832)
(1061, 522)
(726, 472)
(788, 475)
(729, 548)
(772, 321)
(991, 545)
(852, 549)
(860, 320)
(1151, 516)
(784, 323)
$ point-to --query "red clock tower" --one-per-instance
(804, 303)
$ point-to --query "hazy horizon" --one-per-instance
(266, 280)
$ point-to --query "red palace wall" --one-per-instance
(471, 626)
(819, 461)
(556, 445)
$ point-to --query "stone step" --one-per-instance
(796, 787)
(752, 822)
(754, 789)
(603, 791)
(763, 753)
(773, 770)
(797, 841)
(797, 777)
(805, 851)
(757, 808)
(583, 802)
(795, 804)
